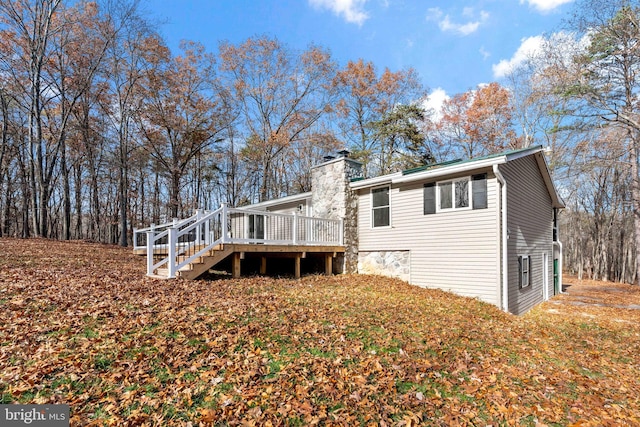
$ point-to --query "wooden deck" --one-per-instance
(238, 252)
(190, 247)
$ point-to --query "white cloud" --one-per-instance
(485, 53)
(529, 48)
(351, 11)
(434, 14)
(434, 102)
(446, 24)
(545, 5)
(560, 46)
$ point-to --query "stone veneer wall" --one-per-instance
(386, 263)
(333, 199)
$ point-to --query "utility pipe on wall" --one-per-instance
(558, 243)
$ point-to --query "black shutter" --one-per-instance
(430, 198)
(520, 272)
(479, 190)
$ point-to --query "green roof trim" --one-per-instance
(360, 178)
(431, 166)
(475, 159)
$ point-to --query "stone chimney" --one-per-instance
(333, 199)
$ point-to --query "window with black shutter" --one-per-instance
(430, 198)
(479, 190)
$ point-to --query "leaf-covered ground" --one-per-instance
(80, 324)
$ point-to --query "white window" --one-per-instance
(380, 207)
(462, 193)
(524, 271)
(454, 194)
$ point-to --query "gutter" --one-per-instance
(504, 265)
(558, 243)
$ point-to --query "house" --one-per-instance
(483, 228)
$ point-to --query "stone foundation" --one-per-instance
(395, 264)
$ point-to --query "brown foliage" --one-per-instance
(81, 325)
(479, 121)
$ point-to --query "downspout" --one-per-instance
(558, 243)
(503, 210)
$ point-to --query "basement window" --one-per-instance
(524, 271)
(380, 207)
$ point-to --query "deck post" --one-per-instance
(235, 265)
(172, 237)
(341, 232)
(263, 265)
(207, 232)
(223, 222)
(297, 266)
(198, 241)
(328, 264)
(150, 236)
(295, 228)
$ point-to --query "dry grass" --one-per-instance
(80, 324)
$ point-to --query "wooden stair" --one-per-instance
(199, 265)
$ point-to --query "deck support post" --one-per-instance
(297, 266)
(235, 265)
(263, 265)
(328, 264)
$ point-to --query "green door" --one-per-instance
(555, 277)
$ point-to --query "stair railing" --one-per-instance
(186, 241)
(140, 234)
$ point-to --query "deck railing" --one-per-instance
(140, 234)
(173, 246)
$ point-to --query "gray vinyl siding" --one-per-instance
(456, 251)
(530, 226)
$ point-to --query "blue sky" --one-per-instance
(454, 45)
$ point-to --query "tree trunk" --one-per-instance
(78, 199)
(124, 202)
(174, 204)
(66, 203)
(5, 227)
(635, 194)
